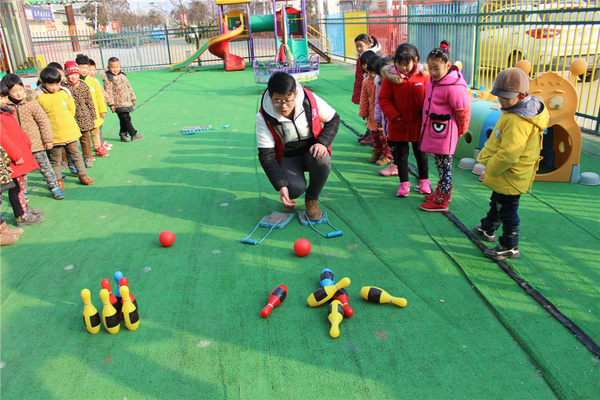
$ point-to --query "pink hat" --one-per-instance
(71, 68)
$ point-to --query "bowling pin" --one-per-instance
(130, 313)
(327, 278)
(125, 282)
(91, 318)
(118, 275)
(342, 296)
(109, 314)
(275, 298)
(105, 283)
(336, 315)
(322, 295)
(377, 295)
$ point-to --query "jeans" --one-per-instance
(126, 125)
(504, 210)
(401, 160)
(293, 169)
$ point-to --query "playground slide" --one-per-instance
(219, 46)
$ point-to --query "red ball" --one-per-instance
(166, 238)
(302, 247)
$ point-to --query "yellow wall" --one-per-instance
(353, 28)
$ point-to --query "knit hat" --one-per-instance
(510, 82)
(71, 68)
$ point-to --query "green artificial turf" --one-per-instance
(469, 331)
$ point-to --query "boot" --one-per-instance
(383, 160)
(429, 197)
(374, 156)
(312, 210)
(86, 180)
(7, 239)
(439, 203)
(124, 137)
(392, 170)
(5, 229)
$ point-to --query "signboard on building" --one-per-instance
(39, 13)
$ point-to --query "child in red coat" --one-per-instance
(401, 101)
(18, 146)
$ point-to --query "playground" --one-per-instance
(470, 330)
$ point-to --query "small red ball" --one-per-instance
(302, 247)
(166, 238)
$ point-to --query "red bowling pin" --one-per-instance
(125, 282)
(342, 296)
(277, 296)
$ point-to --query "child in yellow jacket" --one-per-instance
(511, 156)
(60, 108)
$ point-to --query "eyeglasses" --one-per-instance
(279, 103)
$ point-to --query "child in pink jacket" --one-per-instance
(446, 116)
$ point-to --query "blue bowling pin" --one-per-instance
(118, 276)
(327, 278)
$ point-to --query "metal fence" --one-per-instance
(486, 36)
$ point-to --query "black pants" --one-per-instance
(293, 169)
(13, 197)
(400, 153)
(504, 210)
(126, 125)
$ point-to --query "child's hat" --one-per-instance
(510, 82)
(71, 68)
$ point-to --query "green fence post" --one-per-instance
(100, 48)
(168, 46)
(477, 34)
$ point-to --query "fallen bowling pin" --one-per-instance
(275, 298)
(336, 315)
(376, 295)
(327, 278)
(322, 295)
(342, 296)
(109, 314)
(130, 313)
(91, 318)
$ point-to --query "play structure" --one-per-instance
(562, 140)
(291, 41)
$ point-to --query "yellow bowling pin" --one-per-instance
(336, 315)
(377, 295)
(91, 318)
(130, 313)
(323, 294)
(109, 314)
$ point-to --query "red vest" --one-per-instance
(309, 100)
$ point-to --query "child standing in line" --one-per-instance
(381, 151)
(446, 116)
(8, 236)
(121, 99)
(511, 156)
(83, 62)
(363, 42)
(92, 72)
(60, 109)
(18, 146)
(34, 121)
(385, 62)
(85, 112)
(401, 100)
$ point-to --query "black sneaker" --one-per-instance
(125, 138)
(500, 252)
(487, 236)
(29, 219)
(137, 136)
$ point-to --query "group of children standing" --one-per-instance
(426, 106)
(409, 104)
(41, 129)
